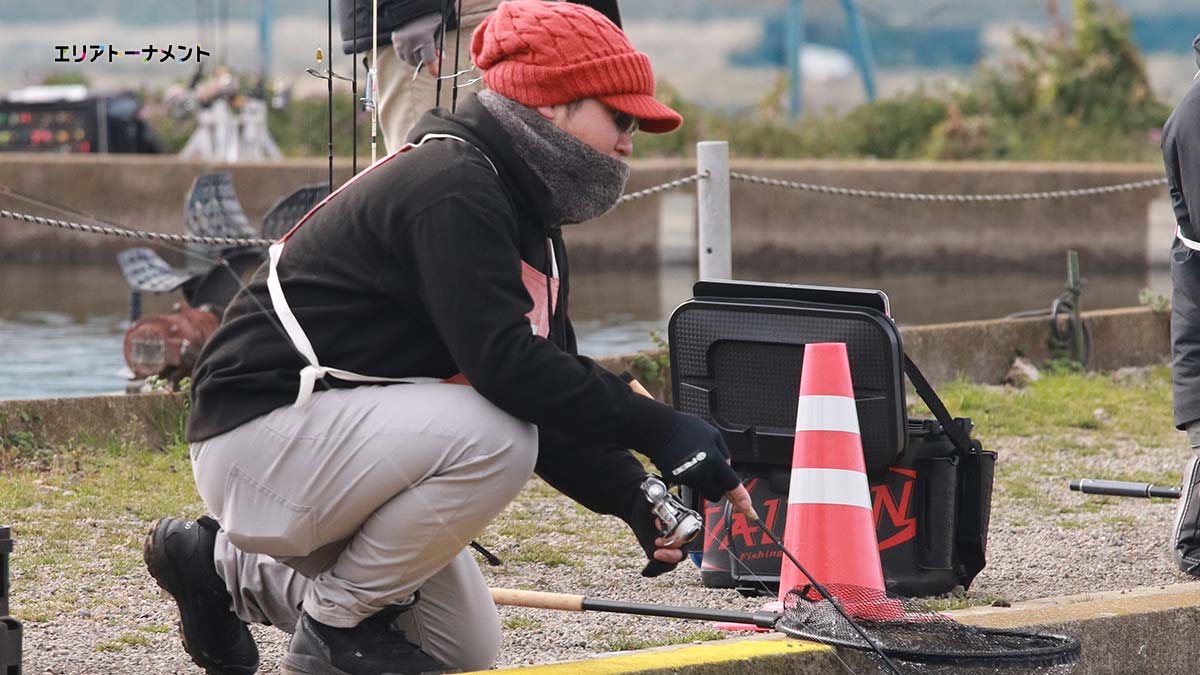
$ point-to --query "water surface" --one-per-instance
(61, 327)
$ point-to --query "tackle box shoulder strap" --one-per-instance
(975, 483)
(951, 426)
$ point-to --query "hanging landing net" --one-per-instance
(916, 640)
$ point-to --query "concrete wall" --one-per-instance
(980, 351)
(983, 351)
(771, 227)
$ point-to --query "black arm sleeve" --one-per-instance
(603, 478)
(469, 281)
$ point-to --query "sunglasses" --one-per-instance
(625, 123)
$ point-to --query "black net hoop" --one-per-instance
(904, 630)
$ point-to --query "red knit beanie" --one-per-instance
(547, 53)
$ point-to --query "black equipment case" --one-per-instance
(736, 353)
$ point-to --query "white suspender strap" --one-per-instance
(1195, 246)
(314, 370)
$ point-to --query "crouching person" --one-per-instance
(391, 378)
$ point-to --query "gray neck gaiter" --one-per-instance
(584, 183)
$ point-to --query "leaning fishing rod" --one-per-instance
(1123, 488)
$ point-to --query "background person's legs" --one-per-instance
(403, 99)
(371, 492)
(1185, 375)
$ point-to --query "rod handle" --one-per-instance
(512, 597)
(1122, 488)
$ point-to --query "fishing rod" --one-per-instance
(354, 102)
(1123, 488)
(329, 81)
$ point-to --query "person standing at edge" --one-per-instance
(410, 32)
(1181, 154)
(346, 462)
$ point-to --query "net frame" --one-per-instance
(906, 639)
(1053, 650)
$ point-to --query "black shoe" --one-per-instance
(374, 647)
(179, 555)
(1185, 538)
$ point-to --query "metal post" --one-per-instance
(861, 43)
(10, 628)
(264, 44)
(1075, 288)
(793, 44)
(712, 192)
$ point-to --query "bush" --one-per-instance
(1080, 94)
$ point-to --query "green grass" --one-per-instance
(955, 602)
(1060, 406)
(520, 623)
(82, 510)
(126, 640)
(624, 640)
(545, 554)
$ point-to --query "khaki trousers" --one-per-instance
(359, 499)
(403, 98)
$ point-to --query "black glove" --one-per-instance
(696, 456)
(641, 521)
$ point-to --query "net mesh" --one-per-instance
(920, 640)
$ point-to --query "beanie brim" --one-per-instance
(653, 116)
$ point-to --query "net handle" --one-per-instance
(578, 603)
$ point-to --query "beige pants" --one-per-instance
(362, 497)
(403, 98)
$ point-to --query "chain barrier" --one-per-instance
(962, 198)
(670, 185)
(114, 231)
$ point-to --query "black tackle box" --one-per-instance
(737, 351)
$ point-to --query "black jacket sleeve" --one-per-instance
(469, 281)
(603, 478)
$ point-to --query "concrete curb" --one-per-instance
(768, 655)
(1144, 630)
(151, 420)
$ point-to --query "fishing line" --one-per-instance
(354, 97)
(758, 579)
(178, 248)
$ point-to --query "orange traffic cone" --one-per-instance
(830, 525)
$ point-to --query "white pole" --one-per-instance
(712, 192)
(373, 73)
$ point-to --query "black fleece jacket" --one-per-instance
(1181, 154)
(415, 270)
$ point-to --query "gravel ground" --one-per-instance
(1044, 541)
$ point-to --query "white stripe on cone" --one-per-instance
(827, 413)
(829, 486)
